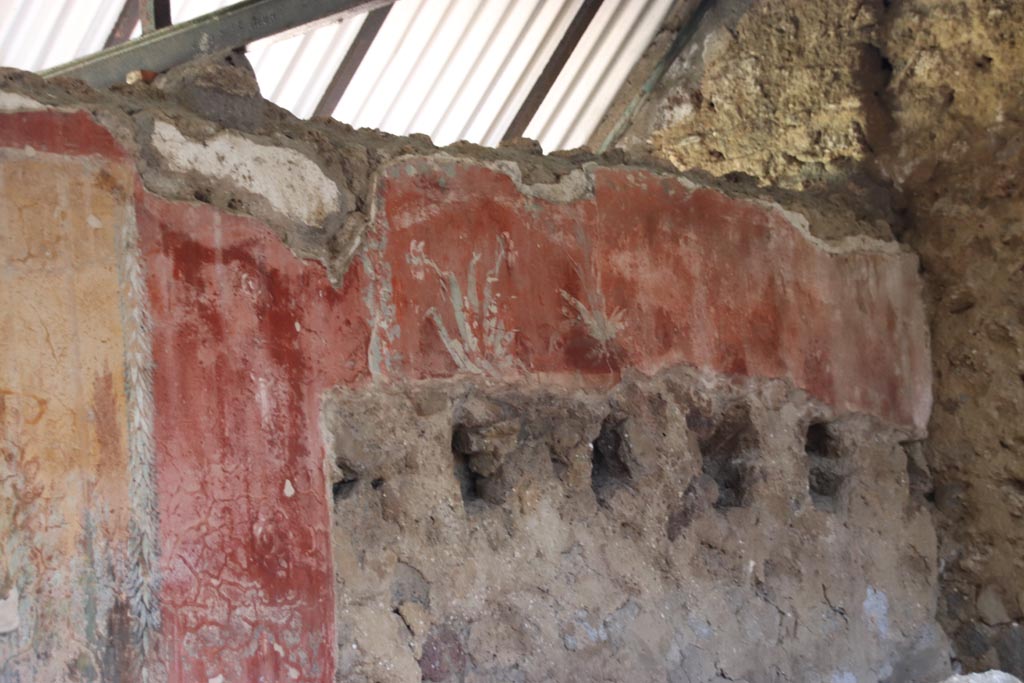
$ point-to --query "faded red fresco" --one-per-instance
(64, 456)
(644, 274)
(245, 339)
(462, 272)
(73, 133)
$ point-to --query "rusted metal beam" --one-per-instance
(228, 28)
(350, 64)
(124, 25)
(154, 14)
(578, 26)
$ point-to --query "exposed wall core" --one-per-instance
(488, 416)
(907, 114)
(576, 536)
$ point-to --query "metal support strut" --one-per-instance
(228, 28)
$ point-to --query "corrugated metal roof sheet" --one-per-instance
(453, 69)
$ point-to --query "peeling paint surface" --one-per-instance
(64, 507)
(245, 338)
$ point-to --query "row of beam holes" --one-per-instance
(472, 486)
(728, 456)
(729, 453)
(609, 470)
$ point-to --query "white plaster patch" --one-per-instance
(289, 490)
(12, 101)
(291, 182)
(219, 678)
(876, 609)
(9, 620)
(93, 222)
(263, 398)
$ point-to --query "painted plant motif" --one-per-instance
(380, 353)
(482, 344)
(145, 524)
(600, 325)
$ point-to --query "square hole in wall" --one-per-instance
(728, 455)
(609, 469)
(826, 467)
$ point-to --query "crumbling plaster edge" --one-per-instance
(145, 574)
(850, 244)
(12, 102)
(180, 154)
(359, 221)
(576, 184)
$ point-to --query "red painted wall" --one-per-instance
(677, 276)
(461, 272)
(245, 339)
